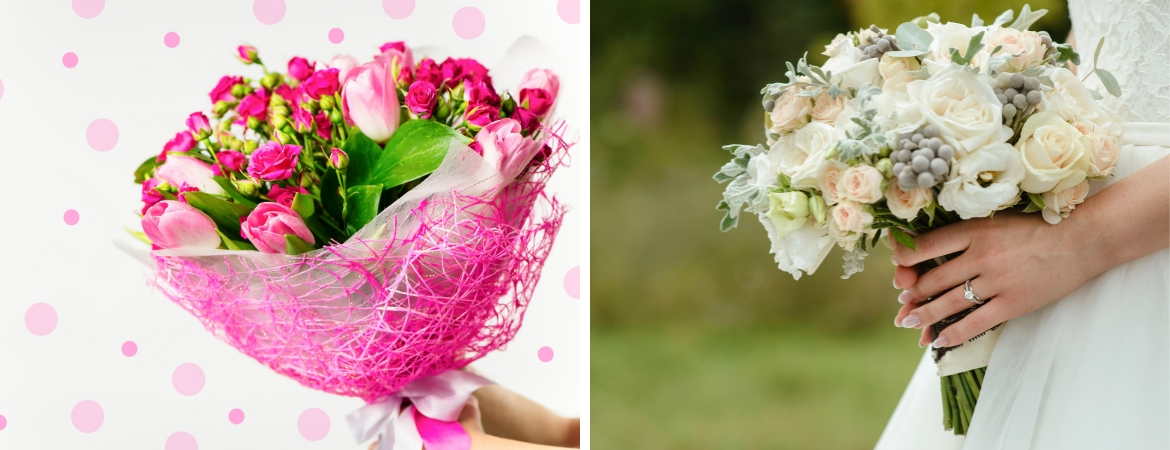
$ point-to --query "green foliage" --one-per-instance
(902, 238)
(361, 206)
(363, 154)
(295, 245)
(225, 214)
(913, 40)
(234, 193)
(145, 169)
(416, 149)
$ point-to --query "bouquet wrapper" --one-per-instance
(434, 404)
(973, 354)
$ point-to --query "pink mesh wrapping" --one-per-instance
(436, 281)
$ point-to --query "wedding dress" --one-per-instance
(1092, 370)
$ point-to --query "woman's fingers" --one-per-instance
(941, 242)
(939, 279)
(941, 308)
(990, 315)
(904, 277)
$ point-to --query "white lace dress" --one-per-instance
(1092, 370)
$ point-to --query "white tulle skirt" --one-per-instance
(1089, 371)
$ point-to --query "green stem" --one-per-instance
(964, 406)
(974, 385)
(979, 375)
(947, 399)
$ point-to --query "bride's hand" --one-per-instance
(1016, 262)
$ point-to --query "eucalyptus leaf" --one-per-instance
(1097, 53)
(902, 238)
(295, 245)
(1109, 81)
(416, 149)
(976, 21)
(906, 53)
(225, 214)
(913, 37)
(361, 206)
(1096, 95)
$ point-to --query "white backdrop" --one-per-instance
(126, 74)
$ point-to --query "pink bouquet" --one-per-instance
(361, 228)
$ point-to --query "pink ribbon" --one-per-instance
(431, 418)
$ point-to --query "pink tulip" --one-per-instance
(299, 68)
(269, 223)
(273, 161)
(420, 99)
(539, 90)
(173, 224)
(198, 125)
(370, 100)
(344, 64)
(247, 54)
(398, 60)
(223, 89)
(502, 145)
(181, 169)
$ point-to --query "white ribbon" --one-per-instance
(440, 397)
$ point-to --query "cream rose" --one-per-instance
(826, 109)
(847, 222)
(1058, 205)
(1055, 155)
(1105, 148)
(1025, 46)
(895, 72)
(983, 182)
(829, 179)
(861, 183)
(790, 112)
(1073, 102)
(801, 155)
(907, 204)
(841, 43)
(950, 36)
(962, 107)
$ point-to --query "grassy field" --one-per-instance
(705, 388)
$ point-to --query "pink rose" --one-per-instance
(847, 221)
(173, 224)
(285, 195)
(344, 64)
(198, 125)
(478, 93)
(539, 89)
(299, 68)
(180, 143)
(254, 105)
(223, 89)
(269, 223)
(289, 94)
(420, 99)
(338, 159)
(861, 183)
(459, 70)
(150, 193)
(480, 116)
(247, 54)
(398, 60)
(321, 83)
(273, 161)
(502, 145)
(828, 181)
(231, 160)
(324, 126)
(370, 100)
(529, 122)
(302, 120)
(181, 169)
(429, 71)
(907, 204)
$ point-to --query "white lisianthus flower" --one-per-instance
(1056, 156)
(1106, 148)
(861, 183)
(848, 221)
(790, 112)
(800, 251)
(1025, 46)
(826, 108)
(787, 211)
(1073, 102)
(829, 179)
(801, 155)
(895, 72)
(962, 107)
(906, 204)
(1058, 205)
(983, 182)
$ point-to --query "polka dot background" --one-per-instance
(103, 361)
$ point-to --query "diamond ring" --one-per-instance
(970, 295)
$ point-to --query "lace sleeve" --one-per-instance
(1136, 51)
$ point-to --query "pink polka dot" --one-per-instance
(1, 89)
(129, 348)
(313, 424)
(69, 60)
(41, 319)
(102, 135)
(88, 9)
(72, 217)
(545, 354)
(398, 9)
(171, 39)
(3, 422)
(573, 282)
(188, 379)
(468, 22)
(181, 440)
(87, 416)
(569, 10)
(268, 12)
(236, 416)
(336, 35)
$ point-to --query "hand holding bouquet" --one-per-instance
(911, 131)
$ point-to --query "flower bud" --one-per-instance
(221, 107)
(253, 123)
(247, 54)
(336, 117)
(278, 122)
(238, 91)
(284, 137)
(246, 187)
(327, 102)
(312, 106)
(271, 81)
(817, 208)
(280, 111)
(885, 167)
(199, 126)
(250, 146)
(275, 101)
(338, 159)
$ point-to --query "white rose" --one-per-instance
(788, 211)
(950, 36)
(1059, 205)
(848, 220)
(790, 112)
(1105, 148)
(800, 251)
(1025, 46)
(826, 109)
(983, 182)
(907, 204)
(861, 183)
(962, 107)
(841, 43)
(1055, 155)
(895, 72)
(801, 155)
(1073, 102)
(829, 179)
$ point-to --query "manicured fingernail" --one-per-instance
(921, 345)
(905, 297)
(896, 283)
(894, 259)
(941, 341)
(911, 321)
(896, 323)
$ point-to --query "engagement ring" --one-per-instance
(970, 295)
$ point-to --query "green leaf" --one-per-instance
(303, 205)
(1037, 199)
(232, 244)
(147, 167)
(902, 238)
(361, 206)
(1067, 54)
(140, 236)
(363, 157)
(416, 149)
(225, 214)
(976, 21)
(728, 223)
(294, 245)
(911, 37)
(323, 231)
(1097, 53)
(1032, 207)
(1109, 81)
(1096, 95)
(1004, 18)
(1027, 17)
(331, 198)
(876, 237)
(234, 193)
